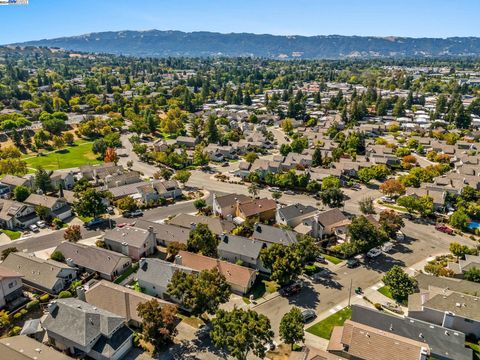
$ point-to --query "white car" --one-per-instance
(387, 199)
(33, 227)
(387, 247)
(41, 224)
(373, 253)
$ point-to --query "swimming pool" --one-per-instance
(474, 225)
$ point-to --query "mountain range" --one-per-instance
(156, 43)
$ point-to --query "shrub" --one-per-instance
(57, 223)
(378, 306)
(15, 331)
(32, 305)
(64, 294)
(17, 316)
(24, 312)
(44, 298)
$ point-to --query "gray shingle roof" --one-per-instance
(166, 232)
(443, 342)
(159, 272)
(331, 217)
(80, 322)
(217, 226)
(274, 235)
(131, 235)
(295, 210)
(463, 286)
(240, 245)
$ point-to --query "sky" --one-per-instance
(42, 19)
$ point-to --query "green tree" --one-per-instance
(401, 285)
(89, 203)
(306, 247)
(127, 204)
(159, 322)
(57, 256)
(42, 180)
(284, 262)
(363, 234)
(183, 176)
(240, 332)
(460, 250)
(391, 222)
(211, 130)
(21, 193)
(202, 240)
(200, 292)
(366, 205)
(472, 274)
(7, 252)
(330, 182)
(253, 189)
(99, 147)
(200, 204)
(365, 175)
(251, 157)
(291, 327)
(459, 219)
(317, 157)
(333, 197)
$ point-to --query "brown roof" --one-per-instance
(6, 273)
(118, 299)
(234, 274)
(258, 206)
(368, 343)
(231, 199)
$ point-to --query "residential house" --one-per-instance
(84, 330)
(243, 169)
(263, 209)
(154, 275)
(10, 286)
(359, 341)
(22, 347)
(63, 179)
(44, 275)
(240, 278)
(100, 171)
(452, 310)
(459, 268)
(444, 343)
(293, 215)
(131, 241)
(153, 191)
(108, 264)
(125, 178)
(187, 141)
(273, 235)
(226, 206)
(294, 160)
(12, 181)
(117, 299)
(328, 223)
(165, 234)
(220, 153)
(216, 225)
(241, 250)
(438, 196)
(14, 214)
(57, 207)
(439, 283)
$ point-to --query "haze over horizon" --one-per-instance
(282, 17)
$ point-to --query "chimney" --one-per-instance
(178, 259)
(142, 262)
(80, 290)
(150, 229)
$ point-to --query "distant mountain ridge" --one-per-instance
(158, 43)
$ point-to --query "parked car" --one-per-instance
(110, 210)
(132, 214)
(225, 164)
(400, 236)
(387, 199)
(387, 247)
(41, 224)
(34, 228)
(291, 289)
(289, 192)
(445, 229)
(321, 259)
(308, 315)
(352, 263)
(94, 222)
(373, 253)
(273, 189)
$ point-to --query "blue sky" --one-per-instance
(415, 18)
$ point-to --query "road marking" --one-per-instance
(332, 311)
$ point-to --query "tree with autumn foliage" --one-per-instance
(159, 322)
(392, 187)
(110, 156)
(73, 233)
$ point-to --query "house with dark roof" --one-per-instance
(240, 278)
(293, 215)
(273, 235)
(84, 330)
(165, 234)
(131, 241)
(444, 343)
(226, 206)
(22, 347)
(154, 275)
(330, 222)
(44, 275)
(358, 341)
(108, 264)
(153, 191)
(63, 179)
(239, 249)
(100, 171)
(12, 181)
(10, 286)
(14, 214)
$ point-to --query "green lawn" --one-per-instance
(325, 327)
(126, 274)
(13, 235)
(261, 286)
(85, 218)
(385, 290)
(394, 207)
(73, 156)
(334, 260)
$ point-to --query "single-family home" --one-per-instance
(131, 241)
(165, 234)
(330, 222)
(10, 285)
(459, 268)
(241, 250)
(263, 209)
(117, 299)
(273, 235)
(44, 275)
(216, 225)
(14, 214)
(57, 207)
(63, 179)
(84, 330)
(22, 347)
(108, 264)
(153, 191)
(240, 278)
(12, 181)
(100, 171)
(226, 206)
(293, 215)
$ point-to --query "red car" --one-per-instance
(443, 228)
